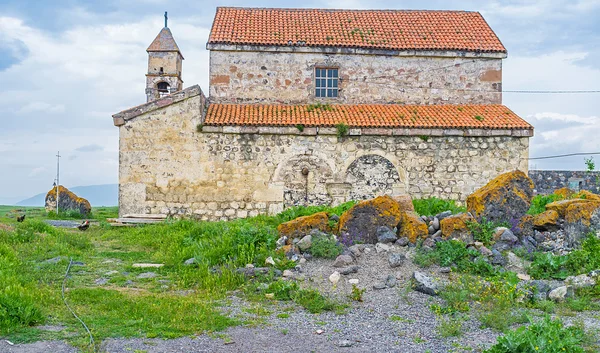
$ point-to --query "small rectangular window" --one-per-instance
(326, 83)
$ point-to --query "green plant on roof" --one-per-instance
(300, 127)
(329, 38)
(460, 109)
(479, 117)
(317, 106)
(199, 127)
(342, 129)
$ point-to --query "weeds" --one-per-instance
(539, 202)
(433, 206)
(548, 265)
(325, 246)
(357, 293)
(342, 129)
(483, 231)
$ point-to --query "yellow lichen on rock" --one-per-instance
(561, 206)
(412, 227)
(361, 221)
(503, 199)
(587, 195)
(67, 200)
(301, 226)
(581, 212)
(564, 193)
(456, 227)
(546, 220)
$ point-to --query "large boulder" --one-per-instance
(412, 227)
(524, 227)
(588, 195)
(504, 199)
(301, 226)
(404, 202)
(564, 193)
(456, 227)
(362, 220)
(561, 206)
(67, 201)
(581, 219)
(547, 220)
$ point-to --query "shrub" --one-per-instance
(357, 293)
(342, 129)
(433, 206)
(548, 265)
(539, 202)
(545, 336)
(325, 246)
(484, 231)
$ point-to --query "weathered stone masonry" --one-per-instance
(168, 167)
(254, 74)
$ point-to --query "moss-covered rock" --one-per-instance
(581, 219)
(412, 227)
(67, 201)
(455, 227)
(587, 195)
(564, 193)
(525, 227)
(561, 206)
(547, 220)
(362, 220)
(504, 199)
(301, 226)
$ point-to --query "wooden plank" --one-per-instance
(148, 216)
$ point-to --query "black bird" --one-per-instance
(84, 226)
(21, 218)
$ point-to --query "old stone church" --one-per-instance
(312, 106)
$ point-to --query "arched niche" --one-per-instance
(304, 179)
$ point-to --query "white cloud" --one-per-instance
(41, 107)
(36, 171)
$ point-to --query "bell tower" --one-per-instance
(164, 66)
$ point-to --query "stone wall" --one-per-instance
(167, 166)
(288, 77)
(546, 181)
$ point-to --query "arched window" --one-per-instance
(163, 89)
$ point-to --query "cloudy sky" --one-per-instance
(67, 65)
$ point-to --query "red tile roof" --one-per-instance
(493, 116)
(369, 29)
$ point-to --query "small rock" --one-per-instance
(307, 256)
(594, 274)
(485, 251)
(381, 247)
(424, 284)
(344, 343)
(396, 260)
(523, 277)
(288, 274)
(508, 237)
(110, 273)
(385, 235)
(262, 286)
(319, 331)
(435, 223)
(269, 261)
(355, 250)
(101, 281)
(391, 281)
(513, 260)
(249, 265)
(281, 241)
(437, 234)
(334, 278)
(343, 260)
(269, 295)
(403, 241)
(302, 260)
(147, 275)
(305, 243)
(147, 265)
(498, 259)
(190, 261)
(478, 244)
(431, 230)
(429, 243)
(379, 285)
(349, 270)
(353, 281)
(425, 219)
(581, 281)
(334, 218)
(445, 270)
(561, 293)
(443, 215)
(367, 250)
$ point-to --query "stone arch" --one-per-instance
(373, 175)
(304, 188)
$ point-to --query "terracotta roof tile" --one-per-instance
(493, 116)
(369, 29)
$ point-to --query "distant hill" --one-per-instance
(97, 195)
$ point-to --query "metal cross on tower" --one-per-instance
(166, 18)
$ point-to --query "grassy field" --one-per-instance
(104, 289)
(9, 214)
(127, 306)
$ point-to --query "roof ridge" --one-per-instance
(339, 9)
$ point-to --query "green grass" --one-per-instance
(433, 206)
(548, 265)
(9, 214)
(539, 202)
(127, 306)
